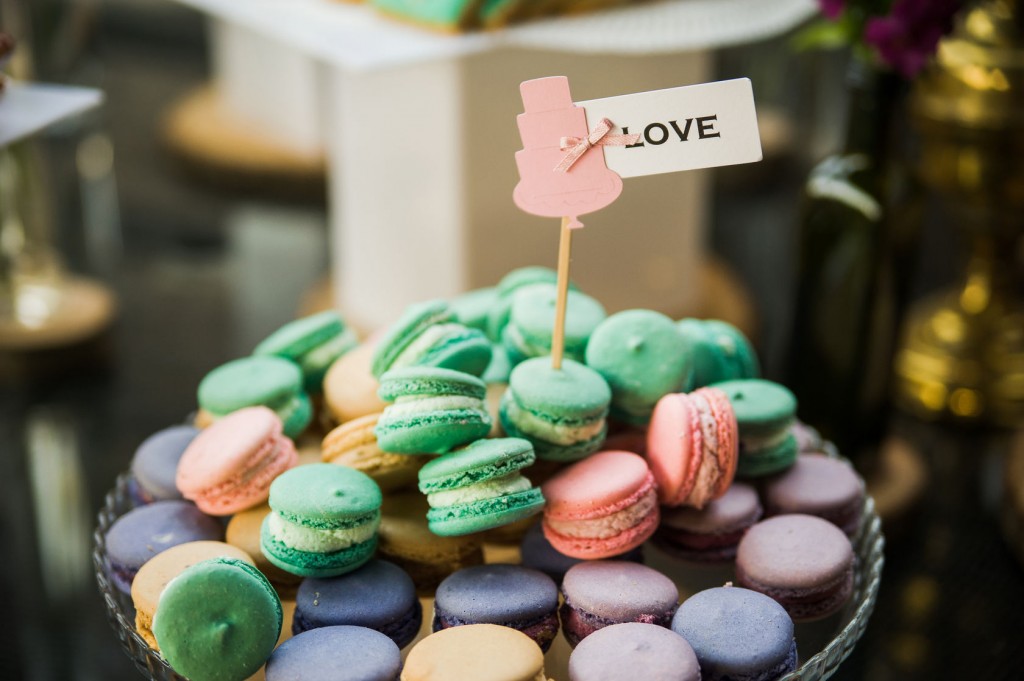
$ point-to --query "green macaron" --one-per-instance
(218, 620)
(434, 410)
(324, 520)
(642, 356)
(499, 313)
(471, 308)
(313, 342)
(269, 381)
(480, 487)
(427, 334)
(718, 351)
(764, 413)
(531, 323)
(560, 411)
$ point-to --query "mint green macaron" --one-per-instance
(218, 620)
(313, 342)
(272, 382)
(765, 411)
(561, 412)
(434, 410)
(718, 351)
(516, 279)
(324, 520)
(471, 308)
(427, 334)
(531, 322)
(642, 356)
(480, 487)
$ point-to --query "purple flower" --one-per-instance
(832, 8)
(909, 35)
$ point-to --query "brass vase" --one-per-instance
(962, 351)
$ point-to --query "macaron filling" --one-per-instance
(559, 432)
(608, 525)
(408, 406)
(511, 483)
(805, 603)
(541, 629)
(709, 473)
(312, 540)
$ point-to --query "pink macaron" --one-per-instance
(229, 466)
(692, 447)
(601, 506)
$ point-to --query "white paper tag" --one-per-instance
(683, 128)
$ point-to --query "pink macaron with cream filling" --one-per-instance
(601, 506)
(693, 447)
(229, 466)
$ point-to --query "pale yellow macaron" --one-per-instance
(354, 444)
(155, 573)
(244, 532)
(405, 539)
(350, 389)
(482, 652)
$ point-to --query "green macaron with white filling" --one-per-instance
(324, 520)
(432, 410)
(561, 412)
(480, 487)
(428, 334)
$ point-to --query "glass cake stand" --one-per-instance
(868, 547)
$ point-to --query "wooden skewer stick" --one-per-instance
(564, 255)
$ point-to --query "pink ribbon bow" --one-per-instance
(577, 146)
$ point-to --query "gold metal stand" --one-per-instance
(962, 354)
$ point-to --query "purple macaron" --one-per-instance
(342, 653)
(710, 534)
(508, 595)
(803, 562)
(818, 485)
(633, 649)
(601, 593)
(737, 634)
(379, 595)
(155, 464)
(538, 553)
(148, 530)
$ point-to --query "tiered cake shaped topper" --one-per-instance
(569, 168)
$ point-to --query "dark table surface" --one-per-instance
(193, 292)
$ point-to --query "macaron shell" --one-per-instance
(591, 548)
(218, 620)
(794, 552)
(472, 307)
(818, 485)
(309, 564)
(619, 651)
(482, 652)
(226, 448)
(424, 381)
(433, 432)
(157, 572)
(350, 388)
(298, 337)
(738, 508)
(313, 656)
(324, 496)
(760, 406)
(599, 485)
(574, 393)
(155, 463)
(672, 438)
(247, 382)
(728, 437)
(496, 594)
(769, 461)
(479, 461)
(642, 356)
(619, 591)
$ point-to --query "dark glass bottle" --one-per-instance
(854, 258)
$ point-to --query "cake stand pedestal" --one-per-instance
(40, 306)
(418, 130)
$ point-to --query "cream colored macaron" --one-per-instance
(354, 444)
(482, 652)
(350, 389)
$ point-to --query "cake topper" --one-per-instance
(568, 168)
